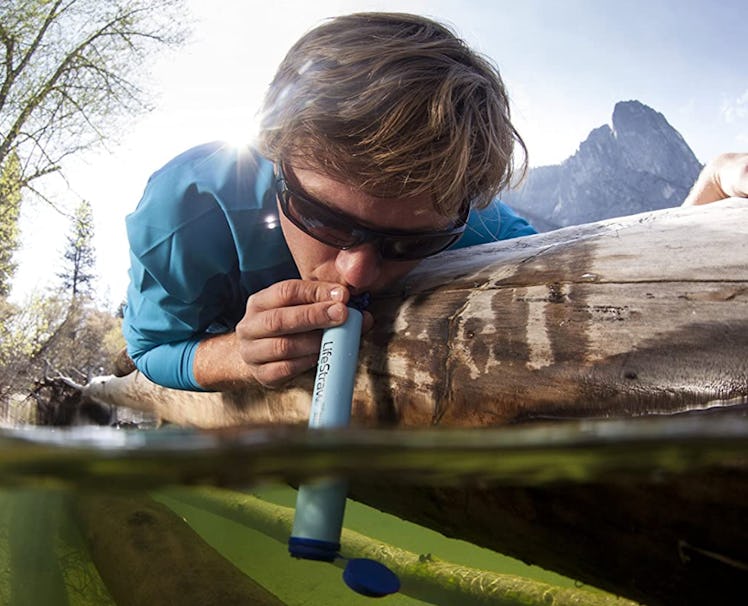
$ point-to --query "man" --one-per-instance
(384, 140)
(380, 133)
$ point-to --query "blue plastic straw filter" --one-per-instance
(320, 506)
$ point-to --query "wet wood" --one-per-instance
(36, 569)
(146, 554)
(633, 316)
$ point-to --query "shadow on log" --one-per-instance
(674, 541)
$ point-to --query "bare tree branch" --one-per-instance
(71, 70)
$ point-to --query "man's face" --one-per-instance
(360, 268)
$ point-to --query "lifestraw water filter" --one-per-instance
(320, 505)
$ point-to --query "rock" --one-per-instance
(639, 163)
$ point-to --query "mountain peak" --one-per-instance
(634, 114)
(650, 144)
(637, 163)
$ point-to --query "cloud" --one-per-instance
(735, 110)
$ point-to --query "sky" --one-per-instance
(565, 63)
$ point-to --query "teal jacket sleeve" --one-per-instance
(195, 234)
(496, 222)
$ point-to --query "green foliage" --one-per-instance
(91, 342)
(26, 332)
(10, 207)
(25, 329)
(70, 70)
(80, 257)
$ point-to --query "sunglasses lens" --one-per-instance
(416, 247)
(320, 223)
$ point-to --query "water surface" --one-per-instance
(44, 472)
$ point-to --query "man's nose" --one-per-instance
(359, 267)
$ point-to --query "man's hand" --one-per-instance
(726, 176)
(278, 338)
(280, 334)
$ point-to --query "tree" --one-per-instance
(80, 257)
(10, 206)
(70, 70)
(47, 337)
(27, 334)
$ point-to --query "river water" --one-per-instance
(62, 542)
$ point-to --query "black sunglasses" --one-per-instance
(335, 228)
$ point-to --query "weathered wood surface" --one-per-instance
(632, 316)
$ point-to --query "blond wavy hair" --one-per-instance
(396, 105)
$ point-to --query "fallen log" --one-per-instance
(146, 554)
(35, 567)
(661, 539)
(644, 315)
(640, 315)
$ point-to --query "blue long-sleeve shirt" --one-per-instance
(204, 237)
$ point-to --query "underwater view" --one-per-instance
(159, 516)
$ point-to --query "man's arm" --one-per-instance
(726, 176)
(218, 366)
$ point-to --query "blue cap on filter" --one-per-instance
(313, 549)
(367, 577)
(370, 578)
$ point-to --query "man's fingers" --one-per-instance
(279, 336)
(276, 349)
(724, 176)
(733, 175)
(275, 374)
(295, 292)
(291, 320)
